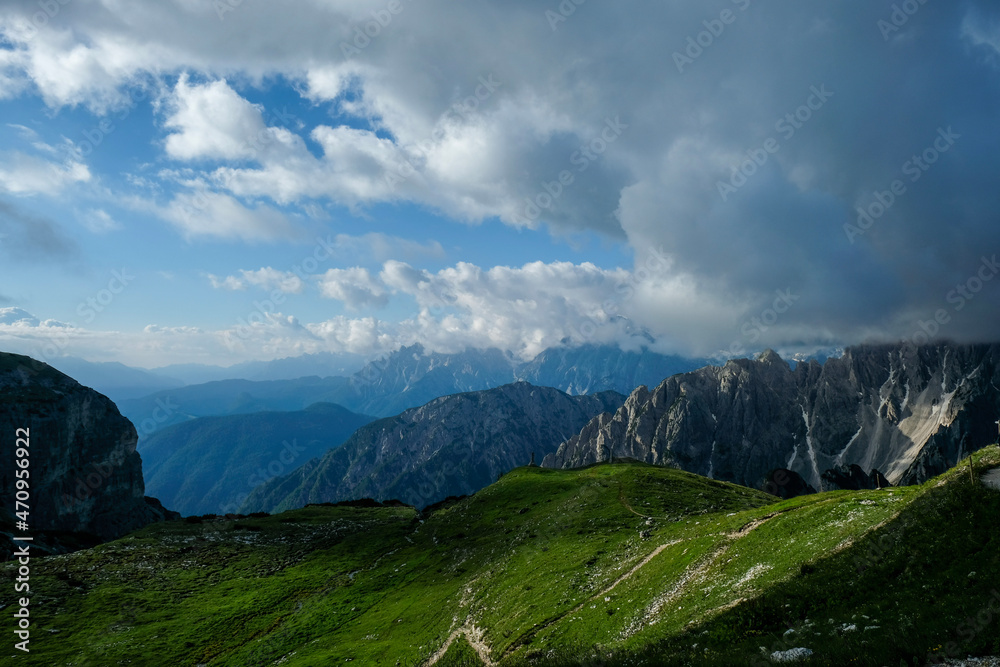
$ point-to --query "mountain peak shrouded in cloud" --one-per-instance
(17, 317)
(341, 178)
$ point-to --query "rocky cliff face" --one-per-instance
(451, 446)
(908, 412)
(85, 474)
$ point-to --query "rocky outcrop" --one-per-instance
(785, 483)
(454, 445)
(85, 475)
(853, 478)
(910, 412)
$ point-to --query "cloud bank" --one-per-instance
(842, 152)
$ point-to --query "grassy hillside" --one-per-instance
(622, 564)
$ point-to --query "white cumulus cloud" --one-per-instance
(265, 278)
(212, 121)
(23, 174)
(355, 287)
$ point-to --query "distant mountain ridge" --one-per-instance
(592, 368)
(453, 445)
(324, 364)
(209, 465)
(228, 397)
(115, 380)
(411, 377)
(908, 412)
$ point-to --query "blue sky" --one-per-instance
(493, 175)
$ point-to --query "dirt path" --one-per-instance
(628, 575)
(693, 572)
(474, 636)
(753, 525)
(626, 505)
(645, 561)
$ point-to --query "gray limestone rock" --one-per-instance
(910, 412)
(84, 472)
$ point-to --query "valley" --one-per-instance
(612, 564)
(387, 333)
(614, 560)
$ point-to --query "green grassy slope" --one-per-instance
(622, 564)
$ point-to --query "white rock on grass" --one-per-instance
(791, 655)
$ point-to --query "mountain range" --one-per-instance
(115, 380)
(288, 368)
(453, 445)
(877, 416)
(410, 377)
(210, 464)
(613, 562)
(905, 412)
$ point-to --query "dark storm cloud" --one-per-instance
(845, 94)
(27, 237)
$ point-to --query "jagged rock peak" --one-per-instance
(907, 411)
(771, 358)
(453, 445)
